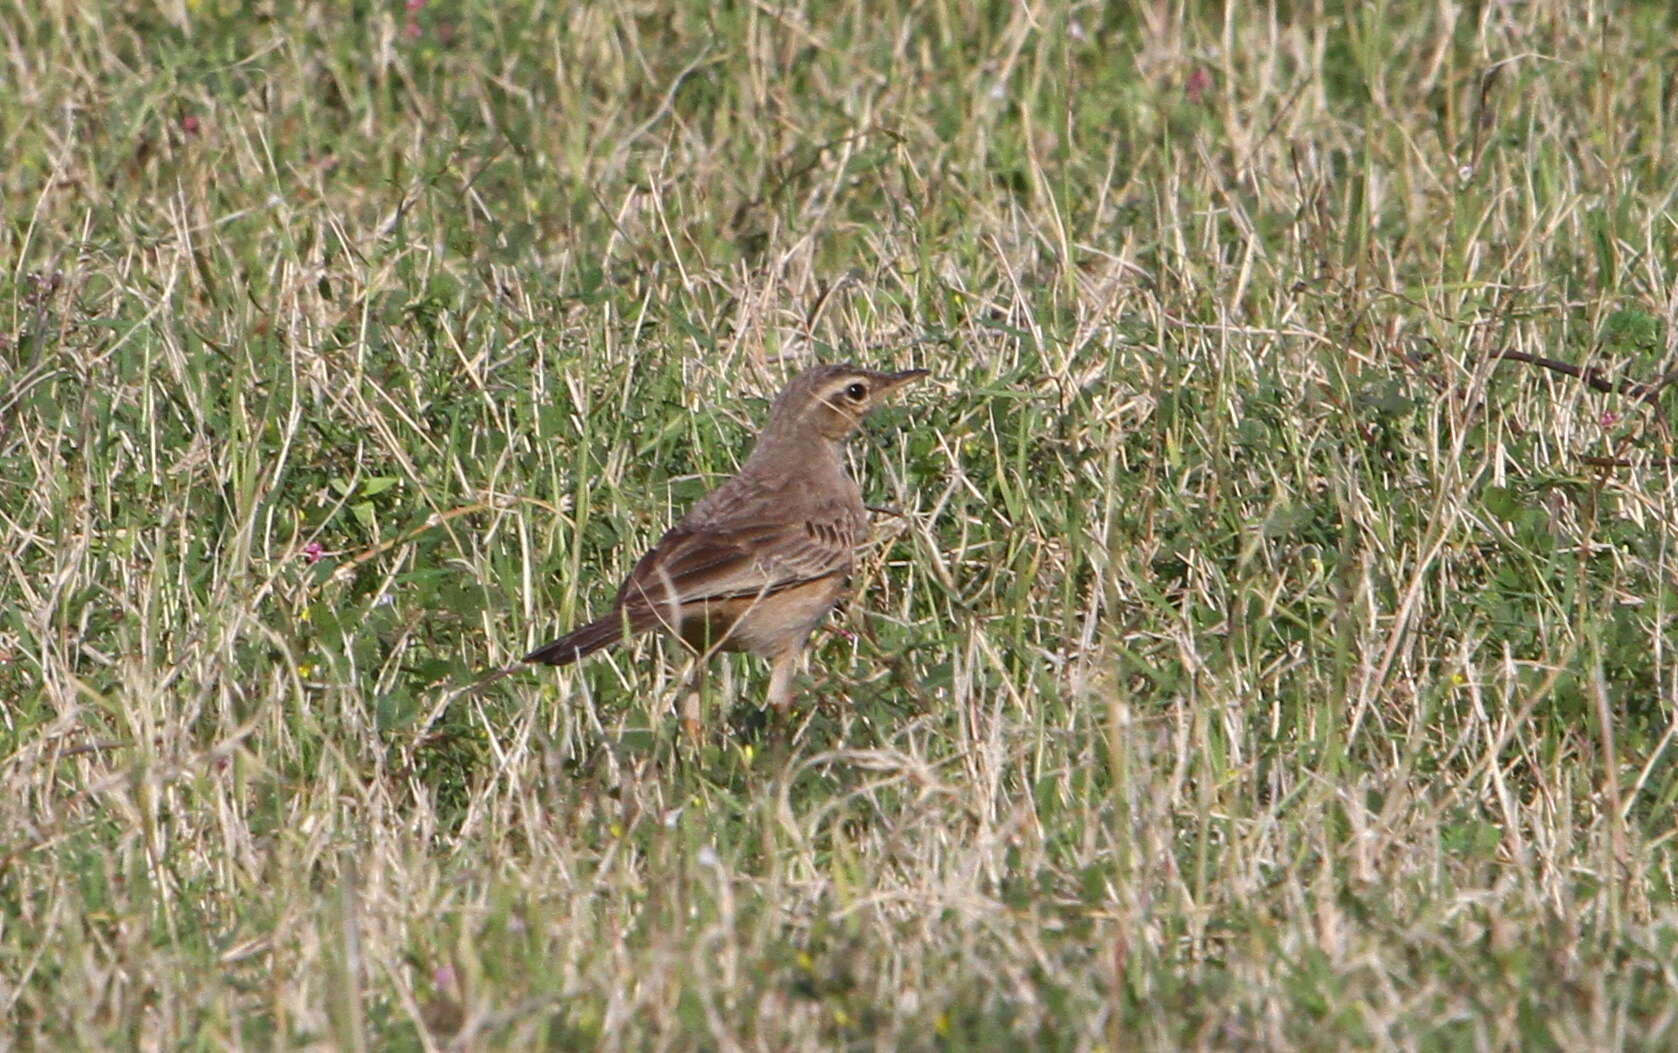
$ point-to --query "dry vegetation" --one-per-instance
(1259, 660)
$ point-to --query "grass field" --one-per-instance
(1259, 660)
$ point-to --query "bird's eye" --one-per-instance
(856, 392)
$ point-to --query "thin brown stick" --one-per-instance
(1593, 378)
(1626, 462)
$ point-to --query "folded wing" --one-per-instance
(694, 564)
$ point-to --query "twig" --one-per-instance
(1593, 378)
(1626, 462)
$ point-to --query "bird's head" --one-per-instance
(830, 401)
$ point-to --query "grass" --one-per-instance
(1259, 659)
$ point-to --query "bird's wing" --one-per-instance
(758, 556)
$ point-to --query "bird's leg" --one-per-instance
(692, 699)
(782, 668)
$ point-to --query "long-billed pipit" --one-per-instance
(760, 560)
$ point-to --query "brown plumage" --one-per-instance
(757, 563)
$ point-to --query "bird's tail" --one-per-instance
(580, 641)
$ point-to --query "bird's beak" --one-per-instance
(893, 381)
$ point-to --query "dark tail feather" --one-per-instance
(579, 642)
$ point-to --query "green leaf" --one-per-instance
(1630, 328)
(1503, 502)
(1288, 520)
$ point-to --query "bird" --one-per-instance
(756, 564)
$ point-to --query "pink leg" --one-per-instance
(781, 671)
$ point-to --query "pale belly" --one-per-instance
(762, 625)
